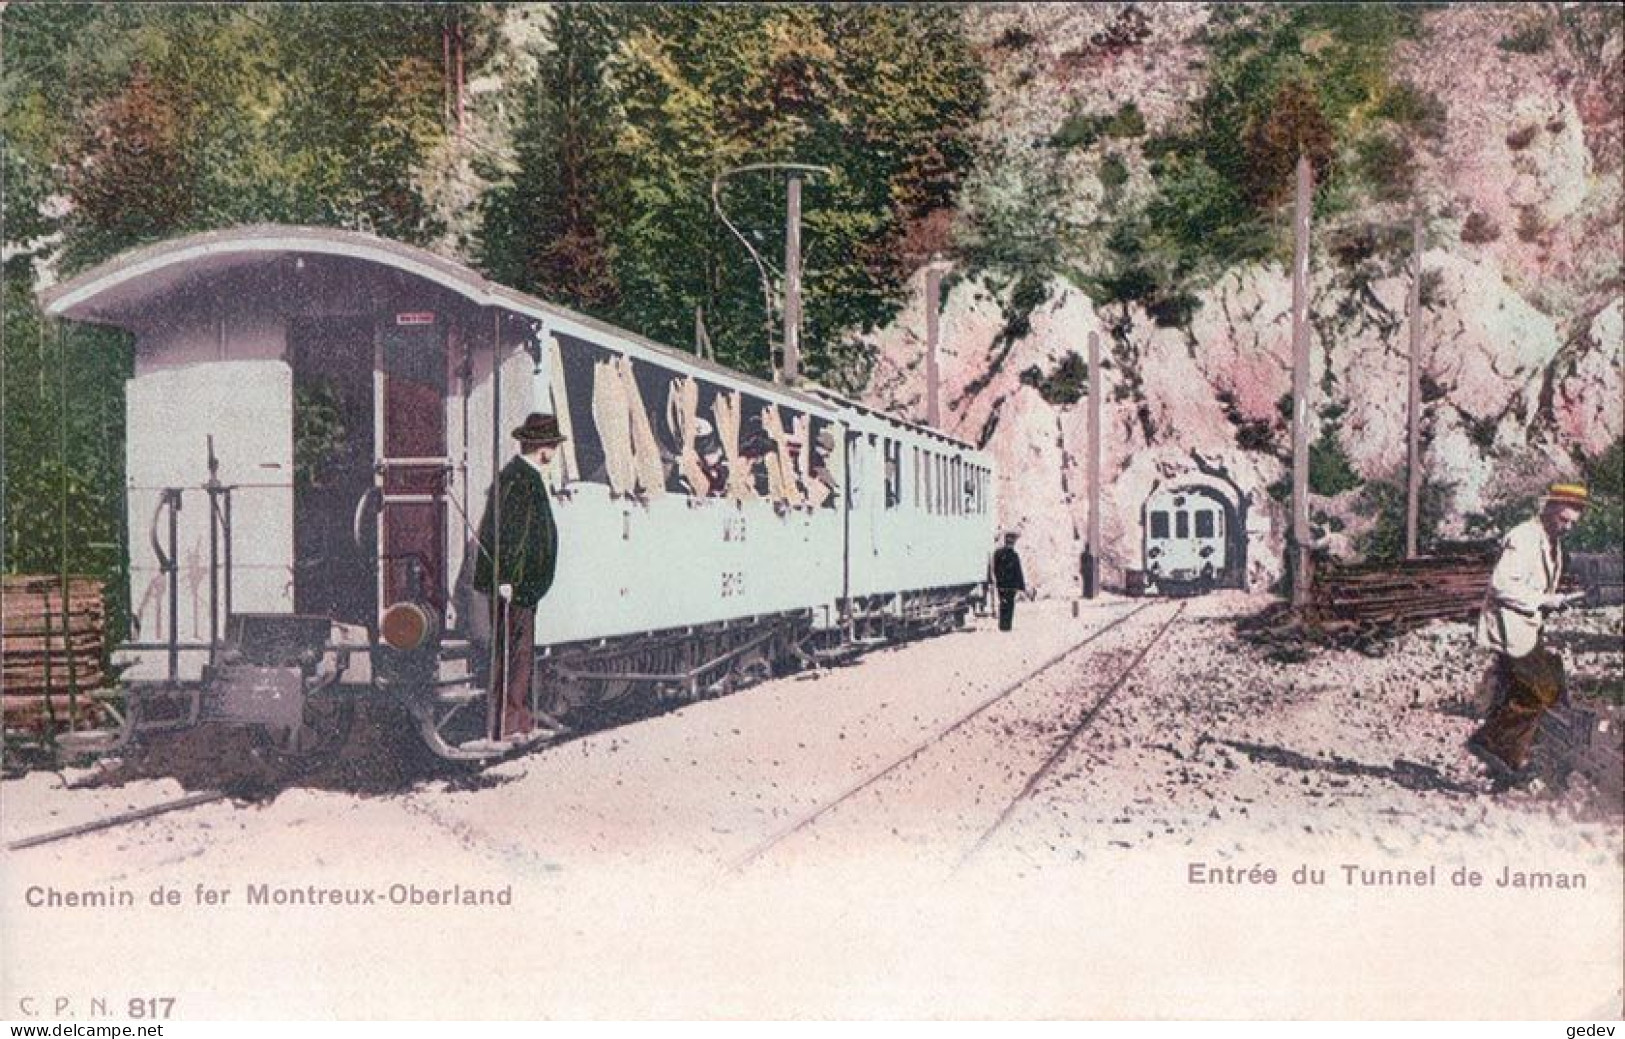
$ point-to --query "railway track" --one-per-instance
(938, 740)
(194, 800)
(806, 822)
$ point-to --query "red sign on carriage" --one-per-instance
(415, 317)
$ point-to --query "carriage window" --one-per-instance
(1204, 524)
(579, 361)
(699, 469)
(755, 445)
(1159, 524)
(916, 478)
(894, 475)
(822, 487)
(1182, 524)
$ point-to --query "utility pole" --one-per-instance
(792, 281)
(1301, 578)
(1091, 547)
(933, 289)
(790, 307)
(1413, 400)
(702, 339)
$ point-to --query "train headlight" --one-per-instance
(405, 626)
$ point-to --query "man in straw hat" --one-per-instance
(1523, 591)
(515, 568)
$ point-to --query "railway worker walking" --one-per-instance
(1523, 591)
(515, 569)
(1008, 580)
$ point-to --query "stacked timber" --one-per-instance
(51, 653)
(1601, 574)
(1398, 596)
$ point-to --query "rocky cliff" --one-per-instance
(1521, 334)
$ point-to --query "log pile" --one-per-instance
(51, 658)
(1362, 604)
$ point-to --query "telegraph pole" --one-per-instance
(933, 289)
(1301, 581)
(1413, 400)
(790, 307)
(1091, 547)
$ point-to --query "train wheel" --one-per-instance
(325, 730)
(749, 669)
(447, 722)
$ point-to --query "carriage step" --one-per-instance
(90, 741)
(486, 749)
(451, 671)
(835, 653)
(458, 692)
(456, 649)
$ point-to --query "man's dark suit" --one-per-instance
(527, 554)
(1008, 579)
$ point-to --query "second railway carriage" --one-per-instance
(1189, 531)
(313, 424)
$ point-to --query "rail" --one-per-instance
(810, 819)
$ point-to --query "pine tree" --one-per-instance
(544, 229)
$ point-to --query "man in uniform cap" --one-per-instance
(515, 568)
(1008, 580)
(1522, 592)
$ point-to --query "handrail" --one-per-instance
(360, 511)
(169, 496)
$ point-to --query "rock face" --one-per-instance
(1522, 334)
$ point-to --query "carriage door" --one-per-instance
(412, 461)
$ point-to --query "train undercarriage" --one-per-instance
(298, 681)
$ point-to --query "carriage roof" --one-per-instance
(114, 291)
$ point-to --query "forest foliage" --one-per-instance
(126, 124)
(581, 143)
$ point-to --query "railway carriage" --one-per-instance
(313, 424)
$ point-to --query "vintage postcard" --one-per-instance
(813, 512)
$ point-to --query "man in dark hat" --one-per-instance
(1523, 591)
(515, 569)
(1008, 580)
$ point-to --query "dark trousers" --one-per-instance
(511, 670)
(1007, 607)
(1528, 686)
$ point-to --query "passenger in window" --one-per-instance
(820, 481)
(753, 451)
(795, 486)
(713, 467)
